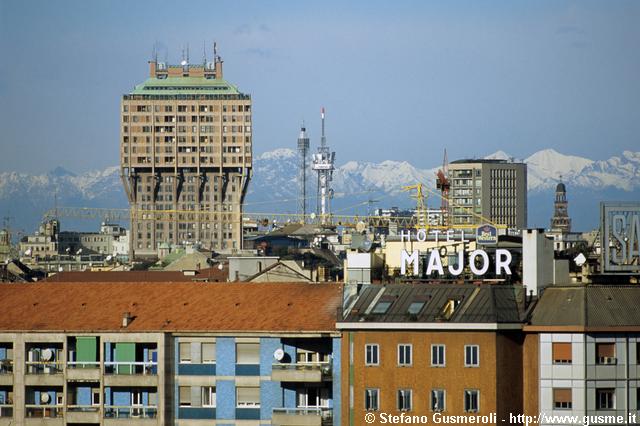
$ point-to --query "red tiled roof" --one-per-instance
(211, 274)
(164, 307)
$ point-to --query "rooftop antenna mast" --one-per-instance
(303, 151)
(323, 164)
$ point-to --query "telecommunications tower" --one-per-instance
(323, 164)
(303, 150)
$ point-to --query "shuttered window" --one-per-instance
(248, 397)
(185, 352)
(562, 353)
(562, 398)
(208, 353)
(185, 396)
(605, 353)
(248, 353)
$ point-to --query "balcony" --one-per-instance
(83, 370)
(130, 412)
(302, 372)
(6, 410)
(6, 372)
(43, 411)
(83, 414)
(43, 373)
(312, 416)
(142, 373)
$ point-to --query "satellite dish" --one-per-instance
(221, 266)
(278, 354)
(580, 259)
(366, 245)
(361, 226)
(28, 252)
(45, 398)
(183, 63)
(109, 258)
(47, 355)
(312, 216)
(79, 251)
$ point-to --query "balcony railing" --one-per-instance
(6, 366)
(325, 367)
(146, 368)
(44, 367)
(129, 412)
(83, 364)
(6, 410)
(83, 408)
(44, 411)
(325, 412)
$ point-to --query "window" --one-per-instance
(605, 353)
(437, 400)
(185, 396)
(404, 399)
(208, 353)
(381, 307)
(185, 352)
(404, 354)
(471, 400)
(95, 397)
(248, 397)
(605, 399)
(471, 356)
(561, 353)
(248, 353)
(371, 354)
(415, 307)
(437, 356)
(208, 396)
(562, 399)
(372, 399)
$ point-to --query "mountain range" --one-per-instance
(359, 187)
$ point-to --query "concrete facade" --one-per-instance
(186, 157)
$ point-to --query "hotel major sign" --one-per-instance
(620, 237)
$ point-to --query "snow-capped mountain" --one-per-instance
(357, 185)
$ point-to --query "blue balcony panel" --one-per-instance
(197, 413)
(247, 414)
(196, 369)
(247, 369)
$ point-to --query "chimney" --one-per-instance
(152, 69)
(218, 65)
(127, 319)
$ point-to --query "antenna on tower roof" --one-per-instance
(204, 52)
(215, 51)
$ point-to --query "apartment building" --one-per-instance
(186, 157)
(488, 190)
(426, 349)
(587, 340)
(169, 353)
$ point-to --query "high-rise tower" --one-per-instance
(323, 164)
(303, 150)
(185, 157)
(561, 221)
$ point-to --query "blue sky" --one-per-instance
(400, 80)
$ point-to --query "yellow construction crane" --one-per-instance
(422, 219)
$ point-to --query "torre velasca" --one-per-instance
(185, 157)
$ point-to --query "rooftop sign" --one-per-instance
(620, 237)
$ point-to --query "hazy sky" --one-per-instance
(400, 80)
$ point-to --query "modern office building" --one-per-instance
(186, 157)
(426, 349)
(169, 354)
(488, 189)
(586, 341)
